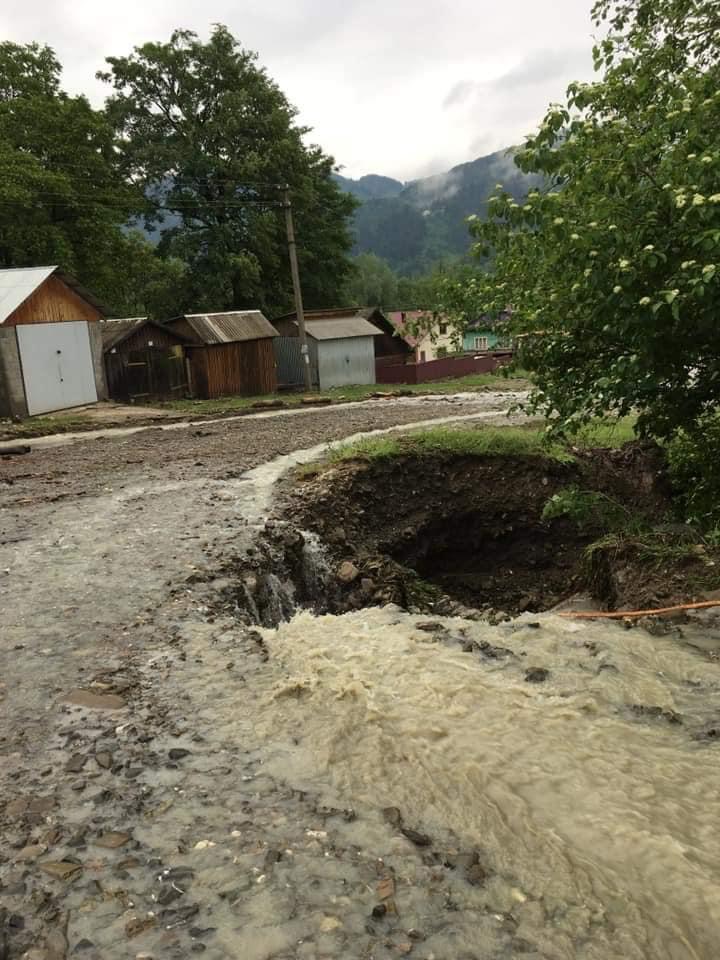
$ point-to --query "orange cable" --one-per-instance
(627, 614)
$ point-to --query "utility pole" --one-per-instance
(299, 312)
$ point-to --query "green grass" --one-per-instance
(472, 442)
(42, 426)
(471, 383)
(606, 433)
(521, 440)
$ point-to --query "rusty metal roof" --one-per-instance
(232, 327)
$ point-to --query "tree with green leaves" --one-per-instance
(613, 269)
(373, 283)
(211, 138)
(62, 199)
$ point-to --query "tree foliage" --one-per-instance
(372, 283)
(63, 199)
(613, 270)
(206, 132)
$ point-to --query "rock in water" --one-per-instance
(347, 572)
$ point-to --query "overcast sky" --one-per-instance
(398, 88)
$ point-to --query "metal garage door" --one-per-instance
(57, 365)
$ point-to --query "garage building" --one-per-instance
(51, 352)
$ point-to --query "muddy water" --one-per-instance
(598, 824)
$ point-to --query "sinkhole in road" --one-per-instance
(433, 532)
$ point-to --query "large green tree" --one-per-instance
(613, 270)
(373, 283)
(207, 134)
(62, 197)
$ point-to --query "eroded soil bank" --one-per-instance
(450, 534)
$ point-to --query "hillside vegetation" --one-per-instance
(414, 225)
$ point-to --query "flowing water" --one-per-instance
(596, 820)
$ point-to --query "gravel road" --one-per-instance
(109, 763)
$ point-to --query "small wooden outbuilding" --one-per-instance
(341, 346)
(230, 353)
(144, 360)
(50, 343)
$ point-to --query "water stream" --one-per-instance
(594, 811)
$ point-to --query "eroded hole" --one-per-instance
(482, 561)
(444, 533)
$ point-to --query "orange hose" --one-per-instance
(627, 614)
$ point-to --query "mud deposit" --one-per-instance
(368, 783)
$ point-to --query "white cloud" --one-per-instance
(390, 87)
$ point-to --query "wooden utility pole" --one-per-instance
(299, 312)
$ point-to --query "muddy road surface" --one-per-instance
(371, 785)
(115, 777)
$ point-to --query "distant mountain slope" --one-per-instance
(424, 220)
(370, 187)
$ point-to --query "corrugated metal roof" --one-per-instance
(344, 322)
(231, 327)
(17, 284)
(341, 328)
(114, 331)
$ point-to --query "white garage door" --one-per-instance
(57, 365)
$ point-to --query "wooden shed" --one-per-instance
(50, 343)
(230, 353)
(144, 360)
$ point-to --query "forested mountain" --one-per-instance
(416, 224)
(371, 187)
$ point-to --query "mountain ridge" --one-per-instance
(415, 224)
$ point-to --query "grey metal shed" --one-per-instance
(341, 347)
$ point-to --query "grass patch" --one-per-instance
(306, 471)
(606, 433)
(42, 426)
(470, 384)
(440, 441)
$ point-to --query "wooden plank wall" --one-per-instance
(231, 369)
(145, 335)
(53, 302)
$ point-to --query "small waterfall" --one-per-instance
(315, 573)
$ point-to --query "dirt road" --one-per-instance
(113, 771)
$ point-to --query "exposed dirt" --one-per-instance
(447, 533)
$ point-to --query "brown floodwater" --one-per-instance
(596, 820)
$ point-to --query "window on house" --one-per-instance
(422, 356)
(441, 352)
(443, 329)
(481, 343)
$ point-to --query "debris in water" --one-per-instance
(112, 840)
(537, 674)
(419, 839)
(95, 701)
(61, 869)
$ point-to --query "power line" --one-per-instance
(174, 179)
(86, 200)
